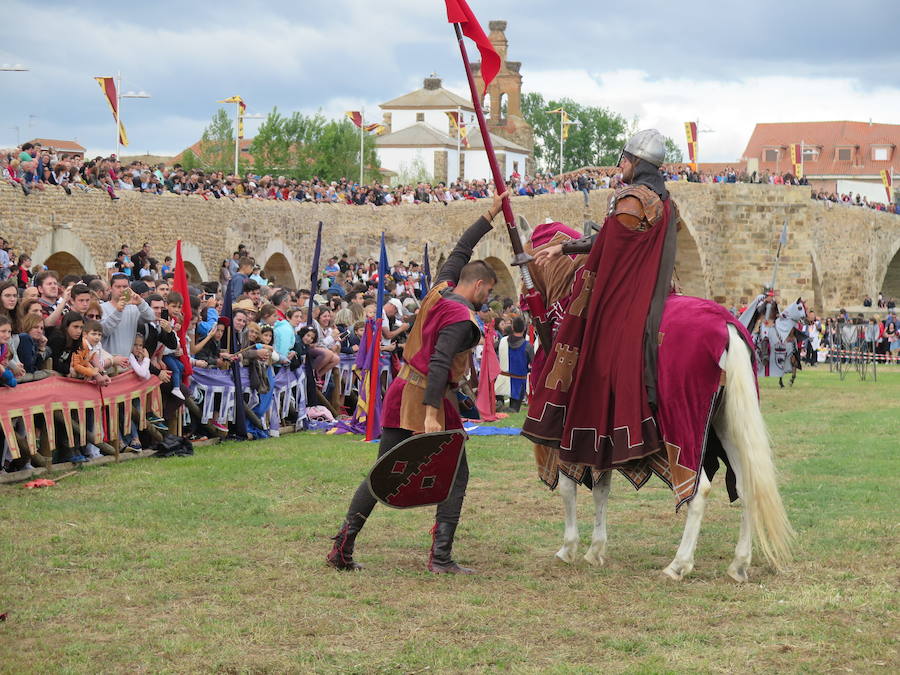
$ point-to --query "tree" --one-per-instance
(595, 138)
(189, 160)
(217, 143)
(284, 144)
(303, 146)
(673, 152)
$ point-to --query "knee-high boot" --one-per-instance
(341, 554)
(439, 559)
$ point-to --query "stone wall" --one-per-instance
(833, 256)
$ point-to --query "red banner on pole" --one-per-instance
(458, 12)
(180, 284)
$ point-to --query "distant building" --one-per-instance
(421, 135)
(838, 157)
(59, 147)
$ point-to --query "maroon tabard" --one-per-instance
(590, 401)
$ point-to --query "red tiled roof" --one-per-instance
(195, 148)
(65, 146)
(827, 137)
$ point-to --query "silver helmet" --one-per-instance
(649, 145)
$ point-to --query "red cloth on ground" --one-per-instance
(597, 356)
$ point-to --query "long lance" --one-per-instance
(520, 258)
(782, 240)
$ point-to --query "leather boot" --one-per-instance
(341, 555)
(439, 560)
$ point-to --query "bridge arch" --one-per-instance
(64, 252)
(506, 286)
(690, 258)
(64, 264)
(194, 267)
(890, 278)
(495, 251)
(689, 266)
(278, 261)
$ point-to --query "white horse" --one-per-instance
(740, 427)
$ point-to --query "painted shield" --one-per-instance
(420, 471)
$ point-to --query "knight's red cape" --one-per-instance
(591, 401)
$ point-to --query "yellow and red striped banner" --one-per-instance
(796, 152)
(459, 128)
(887, 178)
(108, 85)
(242, 107)
(690, 130)
(355, 116)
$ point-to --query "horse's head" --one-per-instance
(797, 311)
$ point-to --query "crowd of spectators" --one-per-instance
(93, 328)
(32, 167)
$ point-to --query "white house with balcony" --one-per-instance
(421, 137)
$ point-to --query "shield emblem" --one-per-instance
(780, 356)
(420, 471)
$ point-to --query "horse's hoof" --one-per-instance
(676, 571)
(595, 558)
(566, 555)
(738, 573)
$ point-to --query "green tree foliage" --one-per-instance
(674, 155)
(217, 143)
(595, 140)
(189, 160)
(304, 146)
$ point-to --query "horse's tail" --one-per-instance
(748, 432)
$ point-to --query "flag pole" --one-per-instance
(458, 142)
(781, 241)
(237, 134)
(521, 259)
(562, 117)
(118, 108)
(362, 121)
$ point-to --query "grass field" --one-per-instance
(216, 563)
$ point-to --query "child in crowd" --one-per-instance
(90, 361)
(172, 357)
(350, 344)
(139, 359)
(7, 379)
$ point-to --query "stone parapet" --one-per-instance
(834, 255)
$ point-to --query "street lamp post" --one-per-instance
(564, 121)
(119, 97)
(238, 138)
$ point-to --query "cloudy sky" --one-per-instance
(729, 64)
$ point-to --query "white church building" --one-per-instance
(421, 138)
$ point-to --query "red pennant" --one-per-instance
(458, 12)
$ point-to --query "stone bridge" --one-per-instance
(834, 255)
